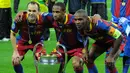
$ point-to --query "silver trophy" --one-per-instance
(49, 63)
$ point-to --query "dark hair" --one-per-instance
(33, 3)
(61, 4)
(82, 11)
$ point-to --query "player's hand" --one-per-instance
(85, 57)
(110, 62)
(16, 58)
(96, 18)
(18, 17)
(77, 62)
(39, 54)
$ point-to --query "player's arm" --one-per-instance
(86, 44)
(15, 27)
(85, 49)
(13, 39)
(118, 39)
(15, 57)
(115, 33)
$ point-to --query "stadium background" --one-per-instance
(28, 63)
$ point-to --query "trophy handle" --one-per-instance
(34, 51)
(66, 56)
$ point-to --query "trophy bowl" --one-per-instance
(49, 63)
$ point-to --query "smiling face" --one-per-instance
(82, 22)
(32, 13)
(58, 13)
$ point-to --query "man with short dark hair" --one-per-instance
(105, 34)
(66, 34)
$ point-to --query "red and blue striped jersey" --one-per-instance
(66, 33)
(26, 29)
(103, 32)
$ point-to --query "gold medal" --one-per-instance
(123, 3)
(30, 42)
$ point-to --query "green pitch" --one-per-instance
(6, 51)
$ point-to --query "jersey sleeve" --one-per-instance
(110, 30)
(48, 19)
(14, 27)
(17, 23)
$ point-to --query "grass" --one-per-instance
(28, 63)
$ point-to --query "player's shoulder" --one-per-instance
(70, 16)
(103, 24)
(69, 19)
(20, 16)
(46, 14)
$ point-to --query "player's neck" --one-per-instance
(62, 20)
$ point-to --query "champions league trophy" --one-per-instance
(49, 63)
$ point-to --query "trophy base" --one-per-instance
(45, 68)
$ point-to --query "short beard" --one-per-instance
(32, 18)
